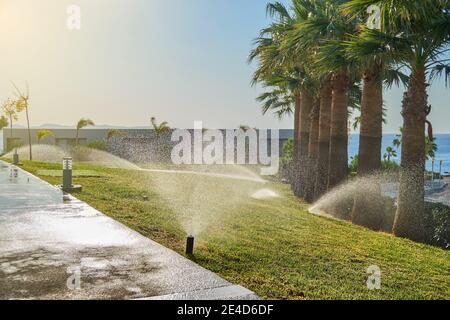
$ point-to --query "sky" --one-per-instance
(177, 60)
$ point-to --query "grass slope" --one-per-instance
(273, 247)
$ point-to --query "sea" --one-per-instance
(442, 154)
(442, 140)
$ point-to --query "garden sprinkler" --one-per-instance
(190, 245)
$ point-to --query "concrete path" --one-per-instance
(52, 248)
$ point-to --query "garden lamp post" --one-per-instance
(67, 174)
(190, 245)
(15, 158)
(67, 185)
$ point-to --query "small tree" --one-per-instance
(161, 128)
(80, 125)
(9, 110)
(390, 153)
(41, 134)
(22, 103)
(3, 122)
(115, 133)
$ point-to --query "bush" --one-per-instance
(99, 145)
(287, 160)
(438, 223)
(353, 166)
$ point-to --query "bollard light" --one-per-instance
(67, 163)
(190, 245)
(15, 158)
(67, 185)
(67, 174)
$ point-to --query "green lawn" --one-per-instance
(274, 246)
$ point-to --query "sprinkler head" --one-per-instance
(145, 198)
(190, 245)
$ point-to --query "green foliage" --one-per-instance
(354, 165)
(115, 133)
(390, 153)
(96, 144)
(161, 128)
(431, 146)
(3, 122)
(439, 224)
(288, 150)
(441, 234)
(41, 134)
(84, 123)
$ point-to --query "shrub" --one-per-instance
(438, 224)
(99, 145)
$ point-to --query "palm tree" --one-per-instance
(80, 125)
(41, 134)
(115, 133)
(418, 38)
(313, 147)
(323, 32)
(9, 109)
(323, 152)
(375, 67)
(161, 128)
(22, 103)
(390, 153)
(283, 71)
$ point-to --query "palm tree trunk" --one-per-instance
(368, 209)
(295, 156)
(339, 130)
(312, 151)
(324, 139)
(409, 220)
(29, 133)
(305, 126)
(76, 138)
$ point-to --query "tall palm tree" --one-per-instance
(313, 146)
(323, 32)
(279, 67)
(418, 34)
(22, 103)
(80, 125)
(278, 72)
(375, 68)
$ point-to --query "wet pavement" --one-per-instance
(55, 249)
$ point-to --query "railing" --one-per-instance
(439, 168)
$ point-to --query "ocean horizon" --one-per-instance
(442, 140)
(442, 154)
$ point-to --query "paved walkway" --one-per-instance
(56, 249)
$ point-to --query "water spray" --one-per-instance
(190, 245)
